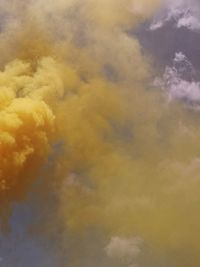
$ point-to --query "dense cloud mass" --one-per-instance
(80, 113)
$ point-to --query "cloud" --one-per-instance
(179, 81)
(124, 249)
(181, 13)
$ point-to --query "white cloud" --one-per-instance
(189, 21)
(124, 249)
(183, 13)
(177, 85)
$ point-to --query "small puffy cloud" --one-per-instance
(189, 21)
(124, 249)
(183, 13)
(179, 81)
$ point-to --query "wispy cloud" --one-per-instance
(182, 13)
(179, 80)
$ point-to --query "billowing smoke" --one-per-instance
(78, 109)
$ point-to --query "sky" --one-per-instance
(99, 133)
